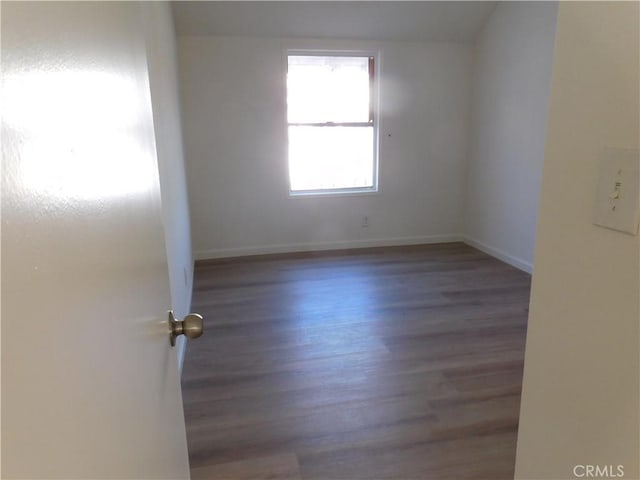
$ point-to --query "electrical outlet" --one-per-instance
(365, 221)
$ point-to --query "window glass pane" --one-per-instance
(330, 157)
(328, 89)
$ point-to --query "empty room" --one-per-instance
(320, 240)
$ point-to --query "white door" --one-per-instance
(89, 382)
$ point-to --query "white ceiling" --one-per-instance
(384, 20)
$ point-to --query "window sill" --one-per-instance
(345, 192)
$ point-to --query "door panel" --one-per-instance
(89, 383)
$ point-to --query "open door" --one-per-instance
(90, 387)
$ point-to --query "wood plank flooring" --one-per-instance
(394, 363)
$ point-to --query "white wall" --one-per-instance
(163, 80)
(233, 93)
(580, 397)
(512, 76)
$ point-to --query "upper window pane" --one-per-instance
(328, 89)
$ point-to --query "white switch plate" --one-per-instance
(618, 192)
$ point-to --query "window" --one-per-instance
(331, 124)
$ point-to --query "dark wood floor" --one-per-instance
(401, 363)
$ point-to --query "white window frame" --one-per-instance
(375, 91)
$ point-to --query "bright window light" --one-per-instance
(331, 118)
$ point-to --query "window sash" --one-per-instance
(321, 166)
(332, 124)
(371, 122)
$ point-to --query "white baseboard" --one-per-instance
(312, 247)
(499, 254)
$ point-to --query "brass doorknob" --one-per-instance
(190, 327)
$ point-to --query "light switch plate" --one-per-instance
(618, 192)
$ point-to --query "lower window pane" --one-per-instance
(325, 158)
